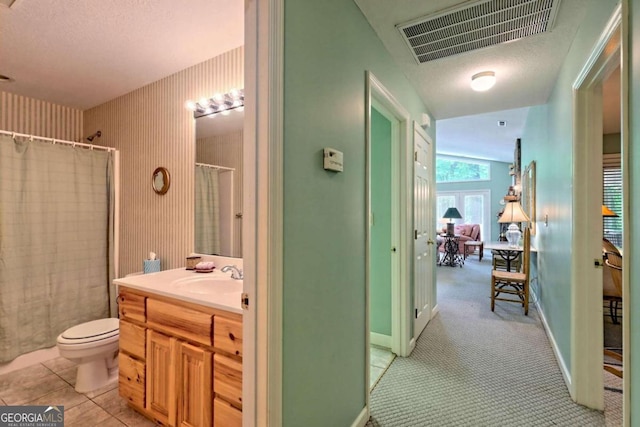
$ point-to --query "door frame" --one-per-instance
(262, 237)
(393, 342)
(586, 383)
(402, 342)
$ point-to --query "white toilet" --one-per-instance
(94, 346)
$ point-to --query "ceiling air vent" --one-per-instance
(476, 25)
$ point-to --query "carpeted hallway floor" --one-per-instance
(472, 367)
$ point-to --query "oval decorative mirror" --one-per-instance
(160, 180)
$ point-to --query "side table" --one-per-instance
(451, 256)
(470, 245)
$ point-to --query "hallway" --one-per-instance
(472, 367)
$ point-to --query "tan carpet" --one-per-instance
(472, 367)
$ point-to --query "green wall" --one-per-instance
(328, 47)
(548, 140)
(380, 265)
(498, 185)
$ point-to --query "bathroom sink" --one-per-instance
(209, 284)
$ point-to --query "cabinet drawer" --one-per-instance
(227, 379)
(132, 339)
(131, 379)
(132, 306)
(225, 415)
(181, 321)
(227, 335)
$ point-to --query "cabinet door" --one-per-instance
(227, 379)
(195, 402)
(132, 340)
(161, 385)
(226, 415)
(131, 379)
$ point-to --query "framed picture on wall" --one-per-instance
(516, 163)
(528, 199)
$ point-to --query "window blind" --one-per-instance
(612, 197)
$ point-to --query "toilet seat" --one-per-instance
(89, 332)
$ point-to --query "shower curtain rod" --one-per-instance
(224, 168)
(58, 141)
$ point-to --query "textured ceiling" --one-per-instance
(526, 71)
(84, 53)
(480, 136)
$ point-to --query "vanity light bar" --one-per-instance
(219, 103)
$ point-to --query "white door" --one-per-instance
(424, 230)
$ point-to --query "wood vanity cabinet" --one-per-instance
(180, 363)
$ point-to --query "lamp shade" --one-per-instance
(452, 213)
(608, 212)
(513, 213)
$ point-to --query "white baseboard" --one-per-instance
(380, 339)
(556, 351)
(435, 311)
(362, 419)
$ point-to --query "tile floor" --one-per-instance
(52, 383)
(379, 361)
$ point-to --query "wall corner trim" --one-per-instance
(362, 418)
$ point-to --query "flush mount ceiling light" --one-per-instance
(219, 103)
(483, 81)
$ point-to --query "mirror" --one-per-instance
(218, 183)
(160, 180)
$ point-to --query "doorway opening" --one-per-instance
(587, 333)
(389, 243)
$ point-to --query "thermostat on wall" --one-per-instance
(333, 160)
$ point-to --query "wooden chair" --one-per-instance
(612, 292)
(612, 283)
(515, 283)
(500, 264)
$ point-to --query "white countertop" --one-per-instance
(216, 289)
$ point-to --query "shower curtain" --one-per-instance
(56, 241)
(207, 211)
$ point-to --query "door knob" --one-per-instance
(430, 242)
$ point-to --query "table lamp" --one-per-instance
(451, 213)
(608, 212)
(513, 213)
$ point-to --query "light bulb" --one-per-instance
(236, 103)
(190, 105)
(234, 93)
(218, 97)
(204, 102)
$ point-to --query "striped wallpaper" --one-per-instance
(226, 150)
(31, 116)
(151, 127)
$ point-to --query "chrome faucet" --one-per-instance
(236, 273)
